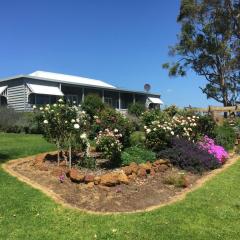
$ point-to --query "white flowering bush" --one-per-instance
(159, 133)
(65, 125)
(108, 142)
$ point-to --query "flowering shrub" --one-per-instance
(111, 119)
(153, 115)
(217, 151)
(159, 133)
(187, 155)
(64, 125)
(108, 142)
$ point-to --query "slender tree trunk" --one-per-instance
(70, 156)
(58, 153)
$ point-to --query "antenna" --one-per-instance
(147, 87)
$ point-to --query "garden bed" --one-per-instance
(138, 194)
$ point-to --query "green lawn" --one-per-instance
(212, 212)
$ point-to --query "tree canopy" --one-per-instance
(209, 44)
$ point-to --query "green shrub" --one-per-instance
(92, 105)
(171, 110)
(114, 121)
(108, 143)
(206, 126)
(153, 115)
(136, 109)
(175, 178)
(137, 155)
(17, 122)
(137, 138)
(225, 136)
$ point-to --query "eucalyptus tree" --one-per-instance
(209, 44)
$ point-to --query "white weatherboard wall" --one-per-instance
(16, 94)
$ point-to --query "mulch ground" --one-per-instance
(139, 194)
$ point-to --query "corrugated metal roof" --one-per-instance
(70, 78)
(47, 90)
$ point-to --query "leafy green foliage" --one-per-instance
(206, 125)
(171, 110)
(92, 105)
(136, 109)
(209, 45)
(137, 138)
(137, 155)
(225, 136)
(17, 122)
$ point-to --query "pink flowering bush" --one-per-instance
(217, 151)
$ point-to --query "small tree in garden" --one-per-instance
(64, 125)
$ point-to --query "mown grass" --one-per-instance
(212, 212)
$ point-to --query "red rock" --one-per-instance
(109, 179)
(133, 176)
(146, 166)
(159, 162)
(160, 168)
(127, 170)
(152, 172)
(89, 178)
(75, 175)
(142, 172)
(97, 180)
(122, 177)
(134, 167)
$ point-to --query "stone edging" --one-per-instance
(8, 167)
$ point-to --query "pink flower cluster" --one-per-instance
(217, 151)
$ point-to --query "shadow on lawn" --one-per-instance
(4, 157)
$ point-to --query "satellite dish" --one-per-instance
(147, 87)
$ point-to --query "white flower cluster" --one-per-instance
(177, 126)
(113, 139)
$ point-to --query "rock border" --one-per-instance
(8, 167)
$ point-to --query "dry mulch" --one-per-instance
(140, 194)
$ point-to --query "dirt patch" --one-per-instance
(139, 195)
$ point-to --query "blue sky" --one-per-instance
(123, 42)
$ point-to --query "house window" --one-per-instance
(72, 99)
(42, 99)
(108, 101)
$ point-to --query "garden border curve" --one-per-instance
(8, 167)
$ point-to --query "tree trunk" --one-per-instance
(70, 156)
(58, 154)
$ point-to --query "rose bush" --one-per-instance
(159, 132)
(63, 124)
(111, 119)
(108, 142)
